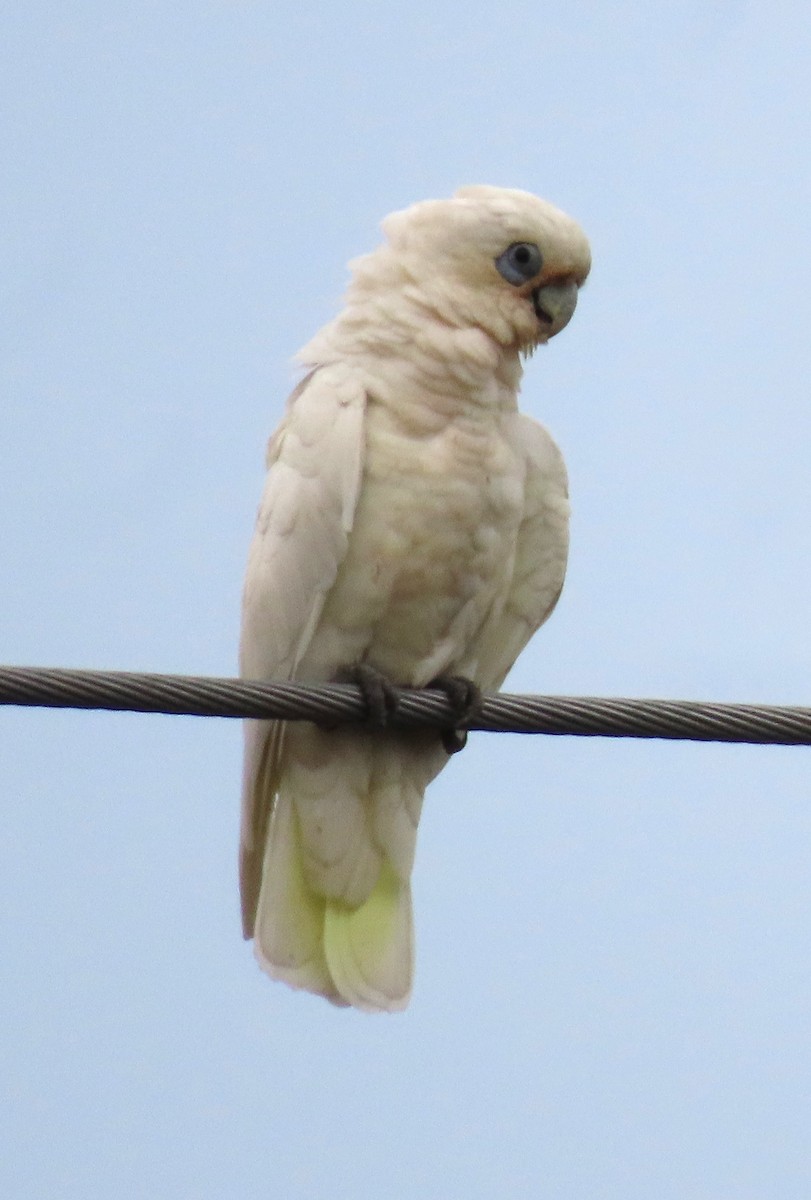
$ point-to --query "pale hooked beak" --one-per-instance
(554, 305)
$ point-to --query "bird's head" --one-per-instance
(497, 259)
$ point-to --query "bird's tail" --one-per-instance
(334, 913)
(361, 956)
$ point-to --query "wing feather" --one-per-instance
(315, 463)
(539, 566)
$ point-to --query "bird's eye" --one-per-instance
(519, 262)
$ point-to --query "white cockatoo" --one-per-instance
(413, 524)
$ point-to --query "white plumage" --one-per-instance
(412, 520)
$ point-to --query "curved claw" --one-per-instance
(379, 695)
(465, 698)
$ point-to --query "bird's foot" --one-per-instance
(465, 699)
(379, 695)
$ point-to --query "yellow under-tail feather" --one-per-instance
(369, 950)
(361, 956)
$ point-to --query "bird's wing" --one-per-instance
(315, 462)
(539, 566)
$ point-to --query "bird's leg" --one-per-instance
(379, 695)
(465, 698)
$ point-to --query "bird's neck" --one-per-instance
(401, 343)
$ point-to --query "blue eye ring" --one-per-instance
(519, 262)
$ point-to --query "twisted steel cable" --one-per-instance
(333, 703)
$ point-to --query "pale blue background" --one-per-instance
(614, 982)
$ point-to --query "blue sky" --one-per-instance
(614, 978)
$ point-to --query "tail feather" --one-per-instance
(361, 956)
(370, 949)
(334, 909)
(288, 934)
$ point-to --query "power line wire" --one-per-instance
(333, 703)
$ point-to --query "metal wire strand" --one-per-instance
(333, 703)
